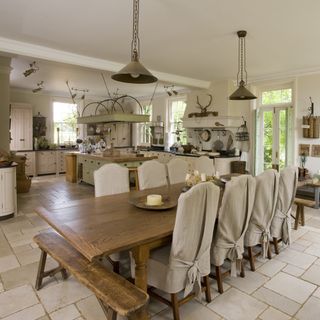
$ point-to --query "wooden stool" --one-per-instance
(301, 203)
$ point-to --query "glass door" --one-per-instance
(272, 138)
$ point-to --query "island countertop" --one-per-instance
(130, 157)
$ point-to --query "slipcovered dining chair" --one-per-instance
(204, 165)
(177, 170)
(234, 216)
(181, 265)
(258, 232)
(281, 222)
(108, 180)
(152, 174)
(111, 179)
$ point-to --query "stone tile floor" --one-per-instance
(286, 287)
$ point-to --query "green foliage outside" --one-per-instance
(276, 96)
(177, 113)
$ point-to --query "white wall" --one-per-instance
(307, 86)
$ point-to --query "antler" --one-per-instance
(210, 95)
(198, 103)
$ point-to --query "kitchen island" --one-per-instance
(88, 163)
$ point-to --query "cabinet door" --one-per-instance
(8, 190)
(30, 162)
(21, 128)
(46, 162)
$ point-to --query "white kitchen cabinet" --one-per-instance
(46, 162)
(61, 163)
(8, 192)
(30, 162)
(21, 127)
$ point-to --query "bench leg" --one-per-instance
(40, 274)
(269, 252)
(109, 313)
(219, 279)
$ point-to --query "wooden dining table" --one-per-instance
(104, 225)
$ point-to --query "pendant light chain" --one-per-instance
(242, 71)
(135, 44)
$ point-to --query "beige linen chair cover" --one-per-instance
(177, 170)
(111, 179)
(281, 222)
(181, 265)
(204, 165)
(234, 216)
(152, 174)
(267, 184)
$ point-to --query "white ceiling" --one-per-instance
(56, 74)
(184, 37)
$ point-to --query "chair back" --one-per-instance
(234, 216)
(111, 179)
(152, 174)
(177, 170)
(281, 222)
(205, 165)
(192, 234)
(266, 195)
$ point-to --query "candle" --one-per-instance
(196, 172)
(188, 175)
(154, 200)
(217, 174)
(203, 177)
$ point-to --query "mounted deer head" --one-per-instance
(204, 108)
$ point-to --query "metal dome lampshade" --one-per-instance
(242, 93)
(135, 72)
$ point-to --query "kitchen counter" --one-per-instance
(88, 163)
(114, 159)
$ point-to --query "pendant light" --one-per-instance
(242, 93)
(135, 72)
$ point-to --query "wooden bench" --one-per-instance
(115, 293)
(301, 203)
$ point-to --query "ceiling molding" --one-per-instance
(42, 52)
(287, 75)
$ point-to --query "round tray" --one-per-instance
(167, 203)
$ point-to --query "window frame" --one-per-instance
(170, 124)
(59, 123)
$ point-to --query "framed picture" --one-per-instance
(315, 150)
(304, 150)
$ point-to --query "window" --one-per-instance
(64, 122)
(277, 96)
(144, 128)
(176, 111)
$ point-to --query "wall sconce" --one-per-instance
(33, 68)
(170, 90)
(40, 86)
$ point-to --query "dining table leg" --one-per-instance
(141, 256)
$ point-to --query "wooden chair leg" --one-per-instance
(207, 286)
(298, 214)
(40, 274)
(251, 259)
(64, 274)
(275, 243)
(242, 273)
(269, 252)
(302, 216)
(219, 279)
(116, 267)
(175, 306)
